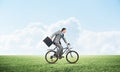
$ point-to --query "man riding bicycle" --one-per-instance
(57, 37)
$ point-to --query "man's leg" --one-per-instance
(60, 50)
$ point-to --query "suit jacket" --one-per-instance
(58, 35)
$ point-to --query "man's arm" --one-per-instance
(64, 40)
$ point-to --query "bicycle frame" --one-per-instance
(66, 49)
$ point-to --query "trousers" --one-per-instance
(60, 50)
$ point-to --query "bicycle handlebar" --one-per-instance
(68, 44)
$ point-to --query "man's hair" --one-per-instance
(63, 29)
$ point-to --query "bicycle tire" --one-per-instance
(68, 58)
(47, 58)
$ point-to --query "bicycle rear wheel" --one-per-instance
(72, 56)
(50, 57)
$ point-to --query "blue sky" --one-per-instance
(95, 15)
(99, 19)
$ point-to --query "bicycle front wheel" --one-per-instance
(72, 56)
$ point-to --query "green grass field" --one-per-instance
(110, 63)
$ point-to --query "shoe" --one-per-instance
(60, 57)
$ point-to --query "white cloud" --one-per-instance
(100, 42)
(29, 39)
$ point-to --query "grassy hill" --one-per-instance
(110, 63)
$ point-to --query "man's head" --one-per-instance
(63, 30)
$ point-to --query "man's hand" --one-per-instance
(50, 38)
(67, 43)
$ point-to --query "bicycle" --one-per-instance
(71, 55)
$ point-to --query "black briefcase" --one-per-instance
(48, 41)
